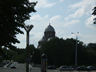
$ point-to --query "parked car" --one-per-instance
(51, 67)
(66, 68)
(70, 68)
(82, 68)
(13, 65)
(91, 67)
(63, 68)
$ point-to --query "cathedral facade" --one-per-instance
(49, 33)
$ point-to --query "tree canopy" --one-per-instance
(94, 13)
(62, 52)
(13, 14)
(59, 52)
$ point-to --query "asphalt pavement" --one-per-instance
(22, 68)
(19, 68)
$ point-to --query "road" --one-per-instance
(21, 68)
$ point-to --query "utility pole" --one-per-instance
(27, 29)
(76, 49)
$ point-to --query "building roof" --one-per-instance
(49, 28)
(42, 40)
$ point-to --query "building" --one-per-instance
(49, 33)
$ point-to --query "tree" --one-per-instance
(91, 54)
(13, 14)
(94, 13)
(62, 52)
(59, 51)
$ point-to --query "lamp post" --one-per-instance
(43, 63)
(6, 55)
(27, 29)
(76, 34)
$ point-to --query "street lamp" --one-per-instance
(43, 62)
(76, 34)
(27, 29)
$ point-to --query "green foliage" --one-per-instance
(59, 51)
(13, 14)
(36, 59)
(31, 49)
(18, 54)
(94, 13)
(21, 54)
(62, 52)
(21, 58)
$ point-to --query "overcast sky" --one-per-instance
(65, 16)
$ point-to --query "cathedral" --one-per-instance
(49, 33)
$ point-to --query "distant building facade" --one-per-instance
(49, 33)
